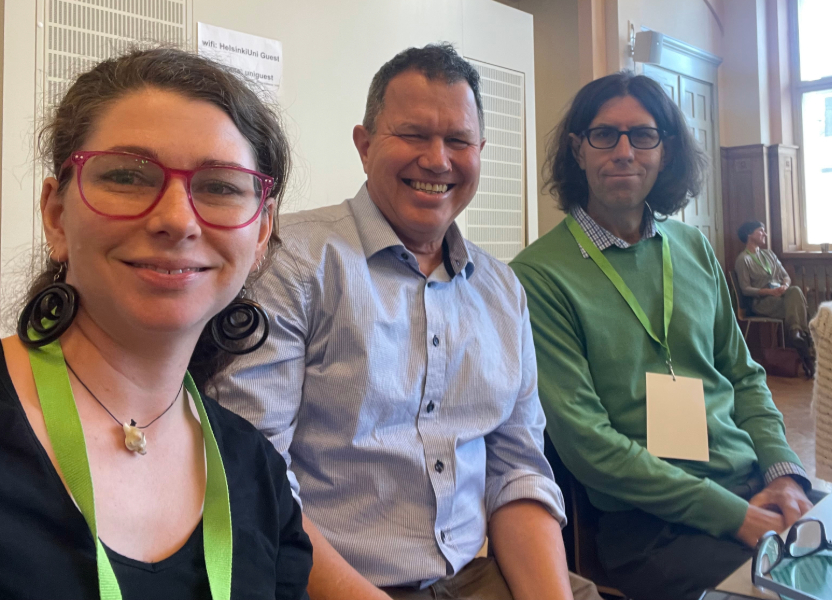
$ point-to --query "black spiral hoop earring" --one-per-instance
(49, 314)
(238, 321)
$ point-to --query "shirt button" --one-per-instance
(430, 406)
(404, 256)
(436, 340)
(439, 466)
(442, 535)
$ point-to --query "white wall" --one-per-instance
(560, 52)
(496, 34)
(687, 20)
(744, 97)
(18, 224)
(331, 50)
(557, 79)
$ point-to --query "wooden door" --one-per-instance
(697, 105)
(695, 98)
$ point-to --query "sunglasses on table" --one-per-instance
(120, 185)
(805, 538)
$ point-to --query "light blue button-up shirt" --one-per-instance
(406, 406)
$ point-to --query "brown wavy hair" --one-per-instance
(192, 76)
(679, 181)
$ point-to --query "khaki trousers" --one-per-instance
(791, 307)
(481, 579)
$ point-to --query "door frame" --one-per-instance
(692, 62)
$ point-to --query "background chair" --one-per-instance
(742, 308)
(579, 533)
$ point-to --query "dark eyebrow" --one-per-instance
(223, 163)
(140, 150)
(616, 127)
(150, 153)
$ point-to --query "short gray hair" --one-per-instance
(434, 61)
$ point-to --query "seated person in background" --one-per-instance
(168, 175)
(400, 383)
(620, 296)
(763, 279)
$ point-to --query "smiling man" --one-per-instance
(653, 401)
(401, 386)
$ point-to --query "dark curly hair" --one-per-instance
(434, 61)
(681, 178)
(747, 229)
(192, 76)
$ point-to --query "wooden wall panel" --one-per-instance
(811, 272)
(745, 194)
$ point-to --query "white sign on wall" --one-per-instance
(256, 58)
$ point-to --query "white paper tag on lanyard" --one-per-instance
(676, 423)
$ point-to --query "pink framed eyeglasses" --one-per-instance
(120, 185)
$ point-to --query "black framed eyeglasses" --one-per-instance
(805, 538)
(606, 138)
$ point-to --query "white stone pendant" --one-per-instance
(134, 438)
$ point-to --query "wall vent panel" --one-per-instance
(81, 33)
(495, 219)
(75, 35)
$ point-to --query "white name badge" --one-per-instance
(676, 423)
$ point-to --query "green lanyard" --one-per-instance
(63, 426)
(667, 283)
(766, 267)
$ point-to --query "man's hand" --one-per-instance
(785, 496)
(757, 522)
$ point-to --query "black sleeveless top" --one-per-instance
(47, 550)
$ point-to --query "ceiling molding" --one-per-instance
(685, 48)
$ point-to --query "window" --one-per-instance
(813, 95)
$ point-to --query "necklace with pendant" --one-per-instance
(134, 438)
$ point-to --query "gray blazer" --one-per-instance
(753, 277)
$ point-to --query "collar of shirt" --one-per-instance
(600, 236)
(376, 235)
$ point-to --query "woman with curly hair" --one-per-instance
(117, 480)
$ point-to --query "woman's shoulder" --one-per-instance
(742, 260)
(242, 446)
(230, 426)
(770, 254)
(255, 472)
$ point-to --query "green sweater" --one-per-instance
(592, 356)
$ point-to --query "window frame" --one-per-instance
(798, 89)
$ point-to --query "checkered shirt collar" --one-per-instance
(600, 236)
